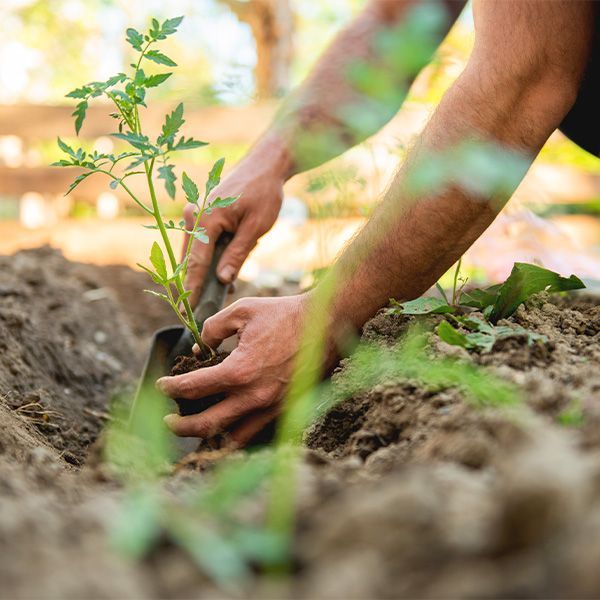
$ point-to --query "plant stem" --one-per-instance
(167, 243)
(135, 199)
(456, 272)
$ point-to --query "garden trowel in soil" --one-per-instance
(170, 342)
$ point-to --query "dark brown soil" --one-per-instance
(66, 345)
(186, 364)
(404, 491)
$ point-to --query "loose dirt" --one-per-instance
(405, 491)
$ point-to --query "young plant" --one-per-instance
(150, 159)
(495, 302)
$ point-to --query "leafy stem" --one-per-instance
(127, 93)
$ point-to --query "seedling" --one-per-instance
(495, 302)
(149, 158)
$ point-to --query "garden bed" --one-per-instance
(405, 490)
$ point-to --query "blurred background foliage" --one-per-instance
(240, 54)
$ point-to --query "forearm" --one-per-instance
(313, 124)
(410, 241)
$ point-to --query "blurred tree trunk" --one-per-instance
(272, 25)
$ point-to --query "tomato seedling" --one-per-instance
(149, 158)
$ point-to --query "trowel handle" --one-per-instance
(213, 293)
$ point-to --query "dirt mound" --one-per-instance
(441, 499)
(65, 346)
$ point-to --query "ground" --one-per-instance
(404, 490)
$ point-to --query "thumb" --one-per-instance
(236, 253)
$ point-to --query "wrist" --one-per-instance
(271, 155)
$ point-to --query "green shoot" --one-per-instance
(150, 159)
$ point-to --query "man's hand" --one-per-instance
(254, 376)
(258, 180)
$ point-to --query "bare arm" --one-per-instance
(521, 80)
(309, 129)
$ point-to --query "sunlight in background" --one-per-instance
(48, 47)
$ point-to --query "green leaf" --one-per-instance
(158, 294)
(480, 298)
(214, 177)
(65, 148)
(441, 290)
(452, 336)
(190, 189)
(524, 281)
(81, 93)
(157, 259)
(171, 125)
(77, 181)
(118, 78)
(135, 38)
(170, 26)
(200, 235)
(79, 114)
(183, 296)
(188, 144)
(140, 142)
(223, 202)
(166, 172)
(159, 58)
(425, 306)
(156, 80)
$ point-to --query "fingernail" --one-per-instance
(226, 274)
(160, 385)
(170, 420)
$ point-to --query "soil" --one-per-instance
(405, 491)
(186, 364)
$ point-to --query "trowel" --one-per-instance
(170, 342)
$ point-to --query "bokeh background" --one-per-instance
(237, 59)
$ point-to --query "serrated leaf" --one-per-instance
(166, 173)
(79, 114)
(135, 38)
(159, 58)
(223, 202)
(190, 189)
(65, 147)
(140, 142)
(188, 144)
(425, 306)
(118, 78)
(80, 93)
(155, 80)
(157, 259)
(77, 181)
(524, 281)
(214, 177)
(170, 26)
(172, 124)
(141, 159)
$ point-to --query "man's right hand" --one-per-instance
(258, 180)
